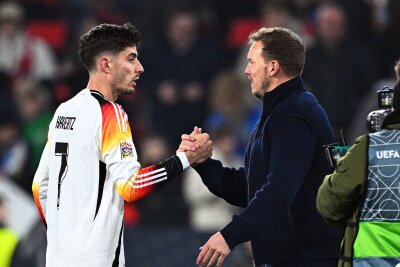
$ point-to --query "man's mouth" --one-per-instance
(134, 81)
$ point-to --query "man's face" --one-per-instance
(8, 134)
(9, 28)
(182, 31)
(331, 25)
(126, 71)
(256, 70)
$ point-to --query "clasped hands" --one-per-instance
(198, 148)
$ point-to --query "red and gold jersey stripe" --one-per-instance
(115, 127)
(35, 191)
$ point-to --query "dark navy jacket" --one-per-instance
(285, 164)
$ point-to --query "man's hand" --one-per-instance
(213, 252)
(197, 146)
(188, 141)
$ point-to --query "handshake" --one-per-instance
(197, 146)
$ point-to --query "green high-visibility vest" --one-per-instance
(8, 243)
(378, 238)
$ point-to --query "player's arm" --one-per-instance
(119, 154)
(40, 183)
(146, 180)
(41, 179)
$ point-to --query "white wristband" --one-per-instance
(184, 160)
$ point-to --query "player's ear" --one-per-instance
(105, 64)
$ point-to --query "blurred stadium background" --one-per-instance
(194, 55)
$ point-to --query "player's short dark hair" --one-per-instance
(283, 45)
(106, 38)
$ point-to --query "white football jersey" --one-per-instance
(88, 167)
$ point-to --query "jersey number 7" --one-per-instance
(61, 150)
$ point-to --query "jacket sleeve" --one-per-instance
(290, 159)
(227, 183)
(341, 192)
(118, 152)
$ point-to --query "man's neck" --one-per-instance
(101, 85)
(276, 82)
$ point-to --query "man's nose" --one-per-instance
(140, 68)
(247, 70)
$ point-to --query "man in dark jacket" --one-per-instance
(284, 165)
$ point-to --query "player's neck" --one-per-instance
(102, 86)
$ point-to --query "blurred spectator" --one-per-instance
(209, 213)
(227, 11)
(31, 250)
(23, 219)
(338, 70)
(304, 8)
(230, 104)
(22, 55)
(389, 40)
(167, 207)
(107, 11)
(33, 101)
(8, 239)
(379, 14)
(13, 148)
(233, 20)
(72, 76)
(278, 13)
(182, 63)
(43, 9)
(359, 19)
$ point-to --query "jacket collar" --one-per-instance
(272, 98)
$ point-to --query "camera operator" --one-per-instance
(363, 195)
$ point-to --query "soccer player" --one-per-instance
(89, 165)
